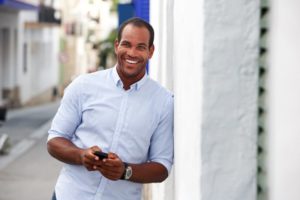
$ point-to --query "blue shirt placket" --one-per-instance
(115, 140)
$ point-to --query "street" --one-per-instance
(28, 171)
(22, 122)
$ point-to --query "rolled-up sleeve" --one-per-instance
(68, 116)
(162, 141)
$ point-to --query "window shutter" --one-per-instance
(262, 133)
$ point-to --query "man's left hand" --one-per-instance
(112, 167)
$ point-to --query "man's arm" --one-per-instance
(112, 168)
(148, 172)
(65, 151)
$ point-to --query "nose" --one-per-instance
(131, 52)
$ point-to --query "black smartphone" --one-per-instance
(101, 155)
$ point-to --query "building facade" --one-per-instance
(46, 44)
(28, 55)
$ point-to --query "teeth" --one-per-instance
(131, 61)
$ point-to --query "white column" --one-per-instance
(284, 101)
(188, 89)
(161, 18)
(161, 69)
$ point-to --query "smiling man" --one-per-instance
(121, 112)
(133, 49)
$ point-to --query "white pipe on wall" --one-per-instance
(284, 101)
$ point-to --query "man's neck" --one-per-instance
(128, 81)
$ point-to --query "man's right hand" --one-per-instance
(89, 159)
(65, 151)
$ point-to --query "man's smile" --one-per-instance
(131, 61)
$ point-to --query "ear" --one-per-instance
(116, 44)
(151, 51)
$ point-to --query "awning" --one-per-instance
(17, 5)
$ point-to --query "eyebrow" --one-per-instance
(142, 44)
(124, 41)
(139, 44)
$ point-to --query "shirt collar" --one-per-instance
(118, 82)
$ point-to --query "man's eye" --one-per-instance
(141, 47)
(125, 45)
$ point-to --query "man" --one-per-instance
(120, 111)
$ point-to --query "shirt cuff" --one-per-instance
(53, 134)
(167, 164)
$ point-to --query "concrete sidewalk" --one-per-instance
(31, 176)
(28, 171)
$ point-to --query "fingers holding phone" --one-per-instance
(112, 167)
(89, 159)
(108, 164)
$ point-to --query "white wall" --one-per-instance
(214, 55)
(284, 101)
(8, 27)
(8, 19)
(230, 100)
(8, 45)
(43, 66)
(42, 58)
(24, 77)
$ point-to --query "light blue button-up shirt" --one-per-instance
(136, 124)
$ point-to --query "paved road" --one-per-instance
(22, 122)
(28, 172)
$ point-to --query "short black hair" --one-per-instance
(138, 22)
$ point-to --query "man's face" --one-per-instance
(133, 52)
